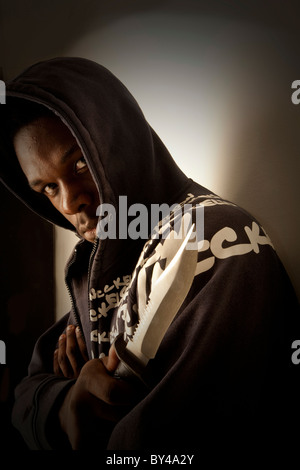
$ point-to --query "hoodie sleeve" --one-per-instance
(223, 373)
(39, 395)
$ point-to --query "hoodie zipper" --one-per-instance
(69, 289)
(90, 264)
(96, 243)
(68, 284)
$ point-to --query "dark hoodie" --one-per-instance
(225, 361)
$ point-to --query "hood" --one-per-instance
(124, 154)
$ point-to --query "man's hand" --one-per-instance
(71, 354)
(95, 403)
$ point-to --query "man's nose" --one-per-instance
(74, 199)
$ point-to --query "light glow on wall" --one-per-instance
(217, 92)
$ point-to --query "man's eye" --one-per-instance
(80, 165)
(50, 189)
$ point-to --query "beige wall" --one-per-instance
(215, 83)
(64, 243)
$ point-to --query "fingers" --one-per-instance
(96, 401)
(81, 344)
(104, 386)
(71, 353)
(56, 367)
(63, 363)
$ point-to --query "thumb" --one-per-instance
(111, 362)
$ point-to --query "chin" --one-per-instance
(90, 236)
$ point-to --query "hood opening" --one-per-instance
(125, 156)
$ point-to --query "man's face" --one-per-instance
(53, 164)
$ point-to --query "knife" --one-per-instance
(166, 297)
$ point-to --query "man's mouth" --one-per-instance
(89, 232)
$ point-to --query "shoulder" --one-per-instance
(226, 231)
(227, 235)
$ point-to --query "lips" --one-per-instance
(89, 232)
(90, 235)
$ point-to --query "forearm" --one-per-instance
(36, 407)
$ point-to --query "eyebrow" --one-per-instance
(64, 158)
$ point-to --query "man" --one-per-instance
(75, 138)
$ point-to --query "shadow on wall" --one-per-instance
(53, 27)
(265, 168)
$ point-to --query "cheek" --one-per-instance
(70, 217)
(92, 189)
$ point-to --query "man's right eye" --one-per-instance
(50, 189)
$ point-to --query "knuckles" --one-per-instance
(109, 388)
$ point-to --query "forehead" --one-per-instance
(46, 132)
(41, 145)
